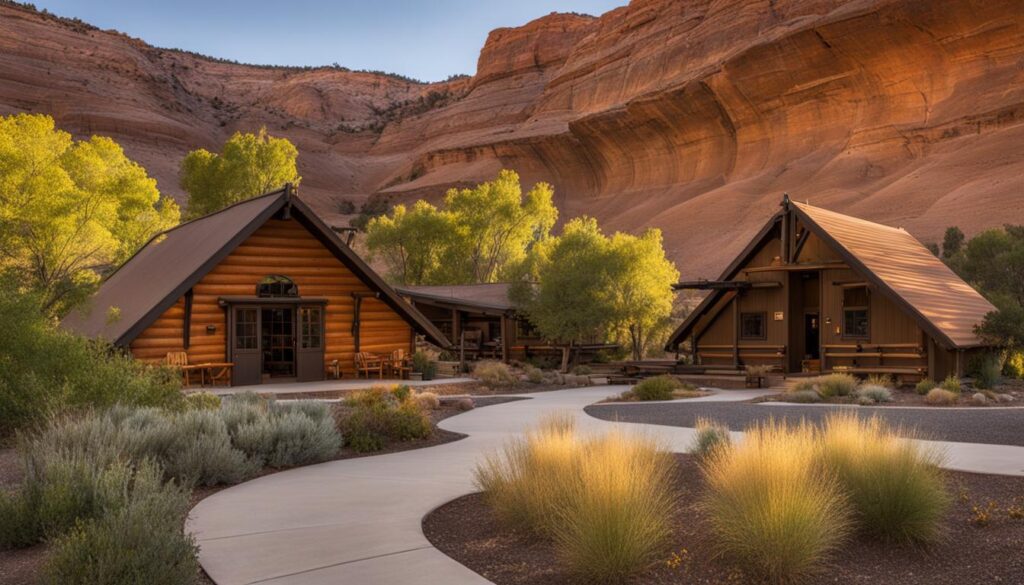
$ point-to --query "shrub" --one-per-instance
(803, 396)
(606, 501)
(139, 542)
(494, 373)
(534, 375)
(951, 384)
(657, 388)
(45, 370)
(873, 393)
(987, 374)
(315, 410)
(242, 409)
(202, 401)
(427, 400)
(1014, 365)
(925, 386)
(401, 392)
(710, 438)
(940, 397)
(895, 487)
(805, 385)
(883, 380)
(770, 506)
(836, 385)
(375, 417)
(193, 447)
(581, 370)
(289, 438)
(422, 363)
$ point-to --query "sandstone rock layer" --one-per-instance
(692, 116)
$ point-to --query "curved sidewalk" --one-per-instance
(358, 521)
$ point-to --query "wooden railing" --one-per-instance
(876, 355)
(739, 353)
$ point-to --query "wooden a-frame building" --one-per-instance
(263, 285)
(818, 291)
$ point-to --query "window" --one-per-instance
(312, 328)
(245, 329)
(276, 285)
(525, 329)
(855, 312)
(752, 326)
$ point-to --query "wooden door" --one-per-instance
(310, 355)
(245, 346)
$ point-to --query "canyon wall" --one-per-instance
(692, 116)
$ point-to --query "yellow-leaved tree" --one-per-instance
(248, 165)
(70, 210)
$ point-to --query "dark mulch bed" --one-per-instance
(24, 566)
(466, 530)
(908, 397)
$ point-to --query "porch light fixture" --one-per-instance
(211, 329)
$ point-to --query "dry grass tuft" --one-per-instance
(894, 485)
(772, 508)
(606, 501)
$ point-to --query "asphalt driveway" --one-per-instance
(991, 426)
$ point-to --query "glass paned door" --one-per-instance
(278, 341)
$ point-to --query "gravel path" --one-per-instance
(991, 426)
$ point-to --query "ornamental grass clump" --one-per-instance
(871, 394)
(925, 386)
(494, 373)
(606, 502)
(941, 397)
(951, 384)
(836, 385)
(711, 436)
(657, 388)
(527, 481)
(771, 507)
(618, 512)
(895, 486)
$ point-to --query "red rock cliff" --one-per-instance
(693, 116)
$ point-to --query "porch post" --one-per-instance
(504, 339)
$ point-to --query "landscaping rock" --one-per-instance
(979, 399)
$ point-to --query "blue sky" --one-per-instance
(424, 39)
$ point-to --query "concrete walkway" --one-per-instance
(358, 521)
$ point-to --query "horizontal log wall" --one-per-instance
(282, 247)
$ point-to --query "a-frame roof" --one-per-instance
(493, 296)
(895, 262)
(131, 298)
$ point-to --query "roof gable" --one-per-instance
(893, 260)
(172, 262)
(899, 264)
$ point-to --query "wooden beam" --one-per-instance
(186, 334)
(736, 331)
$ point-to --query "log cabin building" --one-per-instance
(483, 322)
(264, 285)
(818, 291)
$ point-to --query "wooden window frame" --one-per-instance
(867, 315)
(763, 316)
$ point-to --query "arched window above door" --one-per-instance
(276, 285)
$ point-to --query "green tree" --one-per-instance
(952, 242)
(496, 225)
(248, 165)
(70, 209)
(993, 261)
(641, 289)
(412, 242)
(476, 236)
(585, 285)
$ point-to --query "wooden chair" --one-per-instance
(399, 365)
(179, 360)
(369, 362)
(471, 345)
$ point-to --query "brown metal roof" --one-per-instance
(168, 265)
(893, 260)
(484, 296)
(900, 264)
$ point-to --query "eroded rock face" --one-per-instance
(693, 116)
